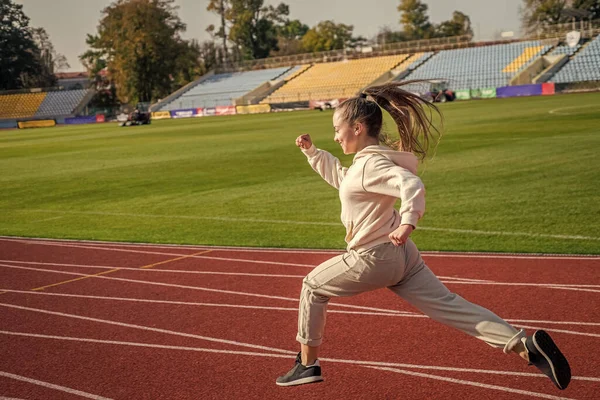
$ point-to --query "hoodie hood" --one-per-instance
(402, 159)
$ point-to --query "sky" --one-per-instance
(69, 21)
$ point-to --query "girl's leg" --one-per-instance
(345, 275)
(421, 288)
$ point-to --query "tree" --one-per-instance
(591, 6)
(250, 25)
(289, 38)
(537, 13)
(221, 7)
(459, 25)
(415, 20)
(49, 60)
(17, 47)
(327, 35)
(139, 42)
(387, 35)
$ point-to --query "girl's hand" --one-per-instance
(304, 142)
(401, 234)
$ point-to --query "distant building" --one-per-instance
(73, 80)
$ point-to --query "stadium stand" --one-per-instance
(222, 89)
(60, 103)
(585, 66)
(480, 67)
(336, 79)
(564, 49)
(20, 105)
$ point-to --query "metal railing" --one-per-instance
(375, 50)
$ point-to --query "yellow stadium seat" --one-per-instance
(20, 105)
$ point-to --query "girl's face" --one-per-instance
(345, 134)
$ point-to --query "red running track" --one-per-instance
(124, 321)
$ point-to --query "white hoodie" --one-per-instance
(369, 189)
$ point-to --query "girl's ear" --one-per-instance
(358, 128)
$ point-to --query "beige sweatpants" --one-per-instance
(402, 270)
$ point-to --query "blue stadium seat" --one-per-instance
(222, 89)
(480, 67)
(61, 103)
(585, 66)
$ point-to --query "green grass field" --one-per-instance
(510, 175)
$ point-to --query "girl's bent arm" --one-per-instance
(326, 165)
(384, 177)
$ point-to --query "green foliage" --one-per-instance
(459, 25)
(49, 60)
(327, 35)
(19, 55)
(591, 6)
(415, 20)
(250, 25)
(507, 176)
(538, 14)
(417, 26)
(289, 38)
(139, 42)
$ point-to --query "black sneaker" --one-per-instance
(546, 356)
(300, 374)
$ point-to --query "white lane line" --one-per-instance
(174, 271)
(471, 383)
(149, 328)
(186, 303)
(92, 245)
(201, 272)
(512, 257)
(199, 288)
(313, 223)
(245, 306)
(52, 386)
(334, 360)
(562, 286)
(566, 286)
(172, 254)
(561, 331)
(57, 264)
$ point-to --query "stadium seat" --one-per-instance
(480, 67)
(60, 103)
(339, 79)
(585, 65)
(222, 89)
(20, 105)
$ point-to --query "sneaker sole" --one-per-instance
(310, 379)
(548, 349)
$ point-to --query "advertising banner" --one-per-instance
(207, 112)
(43, 123)
(488, 93)
(475, 93)
(161, 115)
(522, 90)
(81, 120)
(100, 118)
(253, 109)
(187, 113)
(548, 89)
(225, 110)
(199, 112)
(464, 94)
